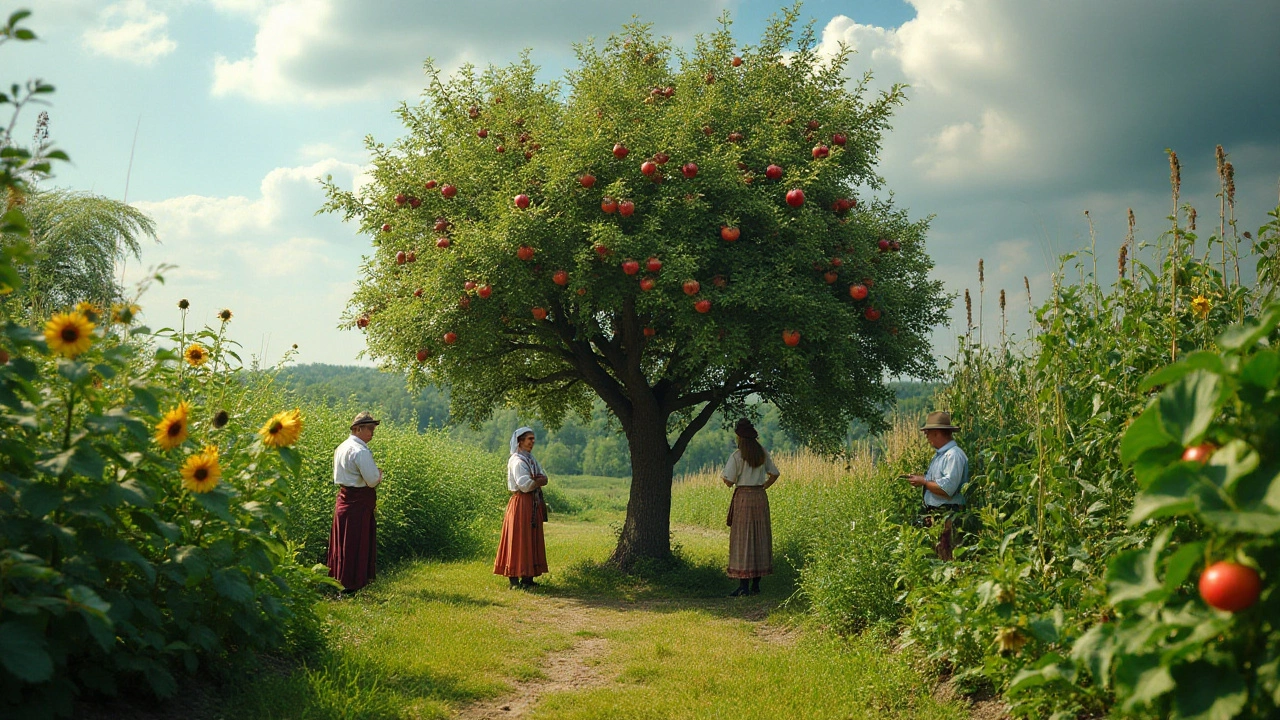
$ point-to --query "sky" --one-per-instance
(217, 117)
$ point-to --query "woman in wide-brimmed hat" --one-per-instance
(522, 551)
(749, 472)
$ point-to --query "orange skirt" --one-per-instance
(522, 551)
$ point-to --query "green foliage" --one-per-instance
(383, 393)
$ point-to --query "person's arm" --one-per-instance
(771, 471)
(524, 481)
(730, 471)
(368, 469)
(945, 486)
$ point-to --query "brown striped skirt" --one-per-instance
(522, 551)
(750, 534)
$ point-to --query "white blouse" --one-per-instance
(738, 472)
(520, 472)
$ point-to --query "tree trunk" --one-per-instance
(646, 533)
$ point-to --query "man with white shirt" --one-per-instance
(943, 481)
(353, 541)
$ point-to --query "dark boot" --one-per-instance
(515, 582)
(744, 588)
(755, 586)
(527, 582)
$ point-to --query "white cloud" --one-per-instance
(131, 31)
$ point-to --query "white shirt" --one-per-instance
(353, 464)
(738, 472)
(949, 469)
(519, 477)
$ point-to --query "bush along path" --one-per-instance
(448, 639)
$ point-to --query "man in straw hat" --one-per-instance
(946, 476)
(353, 542)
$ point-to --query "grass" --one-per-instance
(588, 497)
(432, 638)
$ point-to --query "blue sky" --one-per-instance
(1021, 115)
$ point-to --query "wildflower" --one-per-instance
(283, 429)
(68, 334)
(221, 418)
(90, 311)
(172, 429)
(1010, 640)
(196, 355)
(1201, 306)
(225, 315)
(124, 313)
(200, 472)
(183, 304)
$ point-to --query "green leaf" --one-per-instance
(1180, 565)
(1208, 692)
(215, 503)
(1142, 679)
(77, 373)
(86, 461)
(1131, 575)
(1188, 406)
(1262, 370)
(1250, 522)
(1169, 494)
(1199, 360)
(1095, 650)
(232, 585)
(24, 652)
(1048, 669)
(1247, 334)
(1044, 630)
(291, 458)
(1230, 463)
(40, 499)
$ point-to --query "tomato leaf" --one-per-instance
(24, 652)
(1169, 494)
(1208, 692)
(1189, 405)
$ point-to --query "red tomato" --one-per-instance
(1199, 453)
(1230, 586)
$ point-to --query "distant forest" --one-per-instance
(593, 448)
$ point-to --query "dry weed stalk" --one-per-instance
(982, 291)
(1175, 181)
(968, 312)
(1004, 320)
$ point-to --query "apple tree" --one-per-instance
(670, 232)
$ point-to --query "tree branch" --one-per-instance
(696, 424)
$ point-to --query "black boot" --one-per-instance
(515, 582)
(527, 582)
(744, 588)
(755, 586)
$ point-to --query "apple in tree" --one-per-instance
(482, 133)
(464, 302)
(858, 292)
(648, 167)
(414, 202)
(524, 252)
(1199, 453)
(871, 314)
(423, 354)
(539, 313)
(430, 184)
(417, 293)
(609, 205)
(791, 337)
(691, 287)
(363, 321)
(773, 172)
(706, 130)
(441, 225)
(668, 91)
(560, 278)
(795, 197)
(1230, 586)
(735, 137)
(587, 180)
(821, 151)
(736, 62)
(661, 158)
(729, 234)
(649, 332)
(500, 148)
(401, 258)
(442, 242)
(702, 306)
(522, 201)
(474, 112)
(839, 139)
(710, 78)
(630, 267)
(830, 276)
(812, 125)
(719, 281)
(620, 151)
(469, 285)
(626, 208)
(895, 246)
(689, 170)
(448, 191)
(601, 250)
(837, 262)
(883, 245)
(411, 256)
(450, 338)
(653, 264)
(484, 291)
(582, 291)
(401, 198)
(646, 284)
(386, 227)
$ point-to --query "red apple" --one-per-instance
(895, 246)
(469, 285)
(791, 337)
(582, 291)
(840, 205)
(821, 151)
(417, 293)
(539, 313)
(773, 172)
(795, 197)
(441, 225)
(601, 250)
(482, 133)
(587, 180)
(414, 202)
(719, 281)
(729, 234)
(474, 112)
(401, 198)
(661, 158)
(448, 191)
(812, 125)
(484, 291)
(871, 314)
(653, 264)
(450, 337)
(464, 302)
(648, 167)
(702, 306)
(522, 201)
(691, 287)
(500, 148)
(423, 354)
(524, 252)
(883, 245)
(839, 139)
(430, 184)
(858, 292)
(528, 154)
(401, 258)
(620, 151)
(646, 284)
(706, 130)
(649, 332)
(668, 91)
(560, 278)
(836, 262)
(735, 137)
(830, 276)
(442, 242)
(869, 282)
(626, 208)
(710, 78)
(689, 170)
(736, 62)
(630, 267)
(609, 205)
(411, 256)
(386, 227)
(363, 321)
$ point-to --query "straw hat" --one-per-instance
(938, 421)
(745, 429)
(364, 418)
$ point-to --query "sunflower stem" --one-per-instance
(71, 406)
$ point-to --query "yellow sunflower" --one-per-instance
(200, 472)
(196, 355)
(283, 429)
(225, 315)
(90, 311)
(172, 429)
(1200, 305)
(69, 334)
(124, 313)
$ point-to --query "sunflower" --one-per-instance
(69, 334)
(90, 311)
(196, 355)
(183, 304)
(124, 313)
(1200, 305)
(172, 429)
(200, 472)
(225, 315)
(221, 418)
(283, 429)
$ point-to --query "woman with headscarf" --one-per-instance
(749, 471)
(522, 552)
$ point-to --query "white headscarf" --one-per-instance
(515, 438)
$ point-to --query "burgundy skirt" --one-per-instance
(353, 541)
(522, 551)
